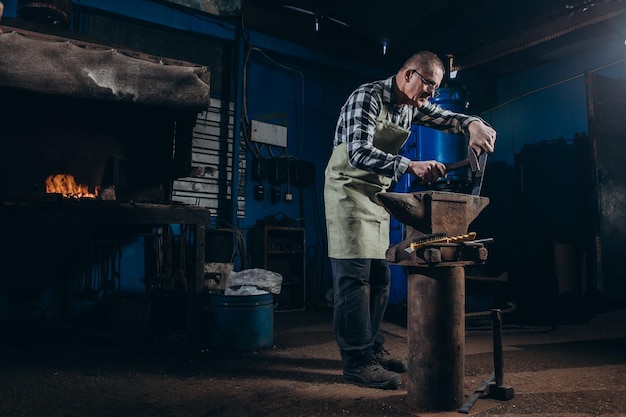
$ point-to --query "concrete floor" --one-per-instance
(564, 370)
(571, 370)
(574, 370)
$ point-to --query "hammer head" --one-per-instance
(501, 392)
(473, 160)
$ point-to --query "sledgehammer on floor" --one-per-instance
(492, 387)
(497, 389)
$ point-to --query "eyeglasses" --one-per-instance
(429, 83)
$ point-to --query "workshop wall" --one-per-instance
(540, 179)
(283, 84)
(303, 90)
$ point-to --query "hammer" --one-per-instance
(471, 160)
(497, 389)
(492, 387)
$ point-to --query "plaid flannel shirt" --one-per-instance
(357, 124)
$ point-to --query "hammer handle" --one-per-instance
(451, 166)
(496, 320)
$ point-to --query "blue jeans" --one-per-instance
(361, 293)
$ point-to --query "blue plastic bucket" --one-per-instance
(241, 322)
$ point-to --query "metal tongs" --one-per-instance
(439, 239)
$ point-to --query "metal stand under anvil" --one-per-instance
(436, 291)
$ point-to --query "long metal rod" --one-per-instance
(479, 392)
(239, 66)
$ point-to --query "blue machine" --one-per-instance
(425, 143)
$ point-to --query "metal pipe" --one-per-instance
(239, 71)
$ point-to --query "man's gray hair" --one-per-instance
(424, 60)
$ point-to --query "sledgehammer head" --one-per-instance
(434, 211)
(501, 392)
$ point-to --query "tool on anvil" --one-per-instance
(480, 174)
(471, 160)
(439, 238)
(477, 164)
(478, 241)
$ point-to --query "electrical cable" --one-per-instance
(240, 245)
(301, 75)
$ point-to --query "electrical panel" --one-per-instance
(302, 173)
(260, 169)
(279, 171)
(268, 133)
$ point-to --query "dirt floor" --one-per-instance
(567, 371)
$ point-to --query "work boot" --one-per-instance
(373, 375)
(391, 364)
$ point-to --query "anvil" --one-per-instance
(435, 292)
(428, 212)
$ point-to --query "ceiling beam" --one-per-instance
(577, 18)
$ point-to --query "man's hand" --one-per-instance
(427, 171)
(482, 137)
(1, 9)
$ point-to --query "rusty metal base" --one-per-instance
(436, 336)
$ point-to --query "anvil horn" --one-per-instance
(407, 208)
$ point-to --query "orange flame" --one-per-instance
(65, 184)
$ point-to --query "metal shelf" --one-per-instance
(281, 249)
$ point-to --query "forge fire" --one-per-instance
(66, 185)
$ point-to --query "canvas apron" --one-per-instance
(356, 223)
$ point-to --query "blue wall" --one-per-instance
(549, 102)
(306, 98)
(537, 106)
(306, 101)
